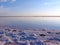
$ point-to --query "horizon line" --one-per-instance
(29, 16)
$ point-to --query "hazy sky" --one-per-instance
(29, 7)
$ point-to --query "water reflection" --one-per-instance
(32, 22)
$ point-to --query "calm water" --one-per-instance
(31, 22)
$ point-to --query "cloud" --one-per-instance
(51, 2)
(6, 3)
(7, 0)
(13, 0)
(3, 0)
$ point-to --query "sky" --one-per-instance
(29, 7)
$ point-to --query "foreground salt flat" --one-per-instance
(10, 36)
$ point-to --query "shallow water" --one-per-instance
(31, 22)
